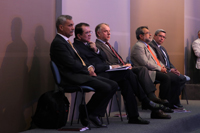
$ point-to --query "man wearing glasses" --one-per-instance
(177, 79)
(143, 55)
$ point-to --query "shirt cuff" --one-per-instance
(98, 51)
(91, 66)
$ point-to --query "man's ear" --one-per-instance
(141, 36)
(61, 27)
(79, 36)
(98, 33)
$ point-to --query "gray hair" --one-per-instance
(159, 30)
(62, 19)
(98, 28)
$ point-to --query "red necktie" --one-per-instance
(155, 58)
(120, 59)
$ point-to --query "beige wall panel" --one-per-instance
(167, 15)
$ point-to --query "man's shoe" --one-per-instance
(159, 114)
(179, 105)
(96, 121)
(138, 120)
(82, 116)
(174, 107)
(152, 106)
(165, 102)
(167, 110)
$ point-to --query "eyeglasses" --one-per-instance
(147, 33)
(162, 36)
(88, 32)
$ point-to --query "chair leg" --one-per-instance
(107, 118)
(110, 106)
(185, 95)
(83, 100)
(74, 108)
(119, 107)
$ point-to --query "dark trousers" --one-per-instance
(170, 86)
(104, 90)
(130, 87)
(144, 79)
(165, 85)
(177, 84)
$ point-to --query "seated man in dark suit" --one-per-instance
(74, 71)
(112, 57)
(178, 80)
(126, 79)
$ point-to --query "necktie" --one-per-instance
(120, 59)
(155, 58)
(166, 59)
(77, 53)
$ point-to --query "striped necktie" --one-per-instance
(166, 59)
(77, 53)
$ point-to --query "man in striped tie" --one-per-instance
(178, 80)
(143, 55)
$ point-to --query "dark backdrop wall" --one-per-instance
(27, 29)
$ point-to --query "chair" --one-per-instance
(183, 91)
(117, 105)
(71, 89)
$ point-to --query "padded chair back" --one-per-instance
(56, 73)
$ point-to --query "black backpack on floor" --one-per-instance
(52, 110)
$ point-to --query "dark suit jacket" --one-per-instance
(110, 56)
(160, 54)
(69, 64)
(90, 57)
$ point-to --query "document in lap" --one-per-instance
(119, 68)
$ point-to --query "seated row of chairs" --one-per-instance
(83, 90)
(76, 89)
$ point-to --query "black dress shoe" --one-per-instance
(174, 107)
(138, 120)
(167, 110)
(159, 114)
(152, 106)
(83, 116)
(179, 105)
(96, 121)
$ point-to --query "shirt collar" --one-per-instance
(63, 37)
(156, 43)
(101, 41)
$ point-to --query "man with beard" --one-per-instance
(126, 79)
(143, 55)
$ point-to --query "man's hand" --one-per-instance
(128, 64)
(175, 71)
(93, 46)
(163, 69)
(115, 66)
(91, 71)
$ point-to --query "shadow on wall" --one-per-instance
(40, 75)
(190, 62)
(19, 88)
(13, 80)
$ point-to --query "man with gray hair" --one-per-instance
(177, 79)
(75, 71)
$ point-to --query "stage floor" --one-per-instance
(181, 122)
